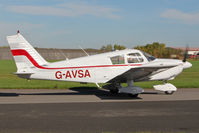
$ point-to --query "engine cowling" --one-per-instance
(168, 74)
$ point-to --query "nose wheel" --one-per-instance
(169, 92)
(167, 88)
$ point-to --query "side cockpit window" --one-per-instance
(134, 58)
(117, 59)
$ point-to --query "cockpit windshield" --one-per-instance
(148, 56)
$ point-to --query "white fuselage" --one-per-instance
(94, 69)
(100, 69)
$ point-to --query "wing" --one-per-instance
(141, 73)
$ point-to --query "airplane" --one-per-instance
(113, 68)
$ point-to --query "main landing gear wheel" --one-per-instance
(114, 91)
(169, 92)
(133, 95)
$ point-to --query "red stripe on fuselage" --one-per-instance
(22, 52)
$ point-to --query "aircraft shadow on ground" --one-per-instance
(101, 93)
(8, 94)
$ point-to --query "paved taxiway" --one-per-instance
(92, 110)
(15, 96)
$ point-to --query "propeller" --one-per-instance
(186, 54)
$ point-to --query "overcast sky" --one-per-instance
(93, 23)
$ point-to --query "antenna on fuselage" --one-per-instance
(63, 54)
(83, 50)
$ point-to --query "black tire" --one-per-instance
(133, 95)
(169, 92)
(114, 91)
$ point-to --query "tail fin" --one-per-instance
(25, 56)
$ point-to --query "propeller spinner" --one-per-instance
(186, 54)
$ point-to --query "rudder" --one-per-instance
(25, 56)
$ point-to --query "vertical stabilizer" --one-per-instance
(25, 56)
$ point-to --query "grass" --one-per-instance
(10, 81)
(188, 79)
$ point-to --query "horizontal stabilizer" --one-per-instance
(22, 73)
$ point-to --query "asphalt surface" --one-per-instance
(85, 94)
(151, 112)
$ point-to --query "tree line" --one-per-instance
(156, 49)
(109, 47)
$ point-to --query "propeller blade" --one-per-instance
(186, 54)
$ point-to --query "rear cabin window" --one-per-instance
(117, 59)
(134, 58)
